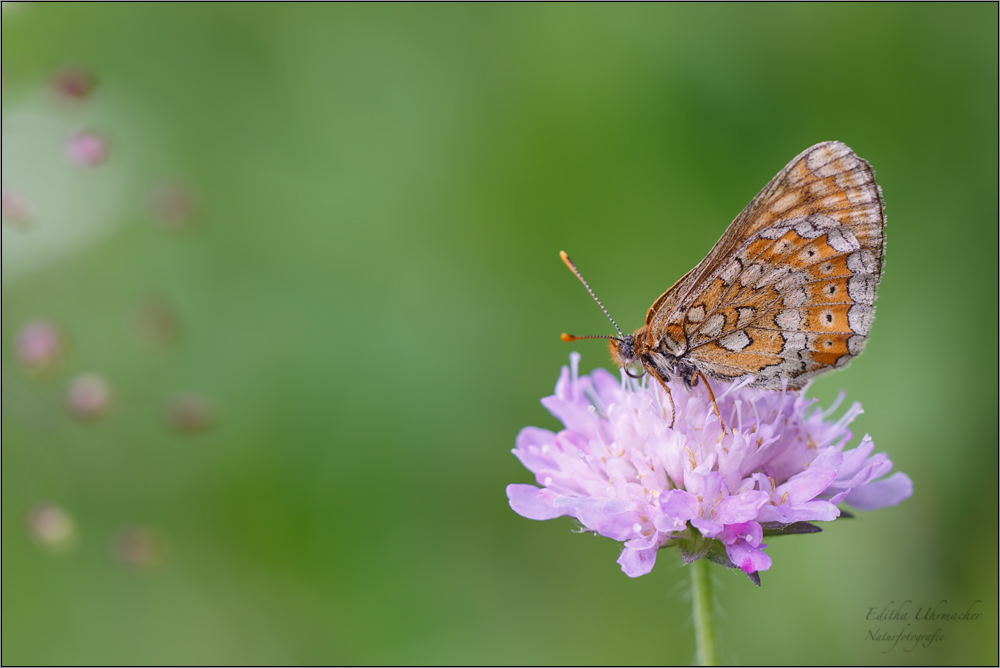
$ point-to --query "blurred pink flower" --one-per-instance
(155, 322)
(88, 396)
(622, 471)
(87, 148)
(189, 413)
(51, 526)
(172, 205)
(72, 83)
(38, 345)
(139, 546)
(16, 209)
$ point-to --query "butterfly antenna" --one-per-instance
(569, 337)
(572, 267)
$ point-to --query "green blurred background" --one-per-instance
(361, 291)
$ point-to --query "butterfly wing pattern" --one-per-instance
(788, 291)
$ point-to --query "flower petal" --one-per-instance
(751, 532)
(620, 526)
(854, 459)
(667, 524)
(805, 486)
(750, 559)
(740, 508)
(679, 504)
(564, 386)
(575, 416)
(817, 511)
(608, 386)
(637, 562)
(534, 436)
(875, 467)
(829, 459)
(882, 493)
(708, 528)
(533, 448)
(525, 502)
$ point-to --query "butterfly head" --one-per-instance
(622, 350)
(627, 352)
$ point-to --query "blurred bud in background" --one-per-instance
(72, 83)
(87, 148)
(16, 210)
(139, 547)
(172, 205)
(189, 413)
(39, 346)
(155, 322)
(51, 526)
(88, 397)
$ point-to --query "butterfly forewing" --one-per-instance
(787, 292)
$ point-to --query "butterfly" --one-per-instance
(786, 294)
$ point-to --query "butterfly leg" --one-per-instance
(662, 377)
(673, 409)
(711, 395)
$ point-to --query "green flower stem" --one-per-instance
(704, 619)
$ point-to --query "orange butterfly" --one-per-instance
(784, 295)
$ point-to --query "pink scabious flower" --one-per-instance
(623, 471)
(87, 148)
